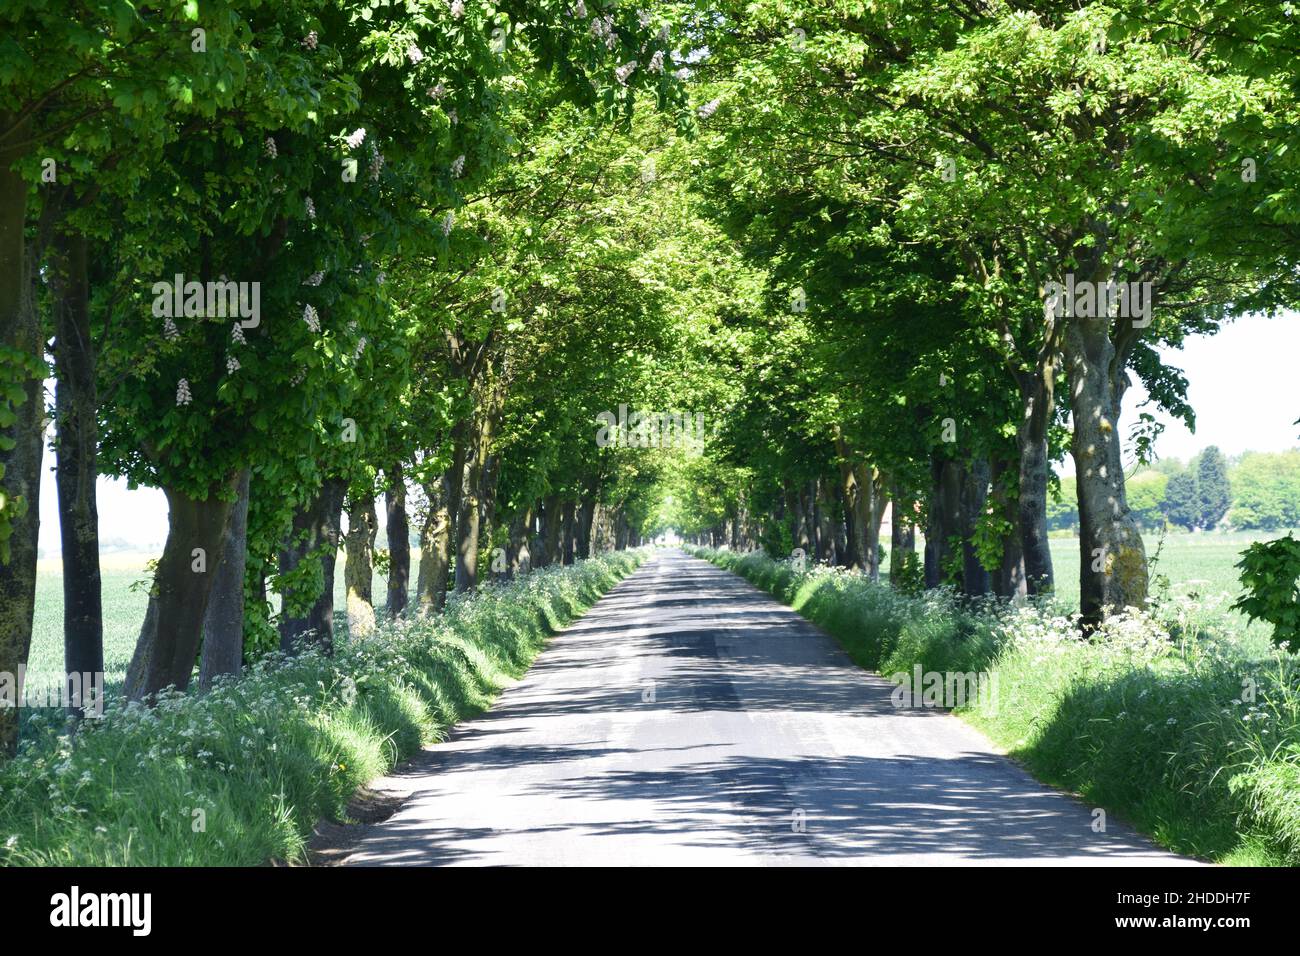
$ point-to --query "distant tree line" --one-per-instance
(1255, 491)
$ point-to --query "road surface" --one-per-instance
(689, 718)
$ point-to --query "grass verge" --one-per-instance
(240, 775)
(1184, 729)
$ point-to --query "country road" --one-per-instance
(689, 718)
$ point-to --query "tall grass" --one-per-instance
(240, 775)
(1171, 718)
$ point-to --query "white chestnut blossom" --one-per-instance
(183, 396)
(624, 71)
(311, 318)
(414, 54)
(311, 40)
(448, 221)
(269, 148)
(457, 8)
(310, 207)
(437, 91)
(315, 279)
(708, 109)
(237, 334)
(458, 166)
(170, 332)
(232, 365)
(656, 64)
(580, 10)
(357, 137)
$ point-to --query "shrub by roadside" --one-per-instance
(1184, 730)
(239, 776)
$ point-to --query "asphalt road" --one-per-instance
(689, 718)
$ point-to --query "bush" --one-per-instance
(240, 775)
(1270, 573)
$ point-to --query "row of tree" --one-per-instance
(978, 223)
(298, 260)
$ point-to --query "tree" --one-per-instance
(1182, 505)
(1213, 490)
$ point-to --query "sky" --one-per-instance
(1243, 382)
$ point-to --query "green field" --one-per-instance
(1199, 567)
(123, 612)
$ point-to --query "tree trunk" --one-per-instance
(567, 529)
(467, 529)
(852, 530)
(586, 517)
(944, 519)
(398, 528)
(435, 550)
(552, 527)
(168, 647)
(1031, 440)
(1010, 580)
(1113, 563)
(21, 465)
(223, 624)
(315, 534)
(519, 557)
(76, 449)
(869, 511)
(359, 568)
(974, 494)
